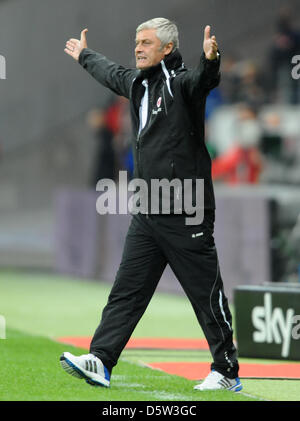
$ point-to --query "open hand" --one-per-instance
(75, 46)
(210, 45)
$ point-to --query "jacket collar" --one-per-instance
(170, 63)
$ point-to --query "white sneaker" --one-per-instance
(216, 381)
(87, 367)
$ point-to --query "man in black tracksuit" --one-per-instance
(167, 108)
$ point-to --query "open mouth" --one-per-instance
(141, 59)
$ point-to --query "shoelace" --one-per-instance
(89, 356)
(211, 375)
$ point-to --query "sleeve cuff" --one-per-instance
(80, 58)
(214, 61)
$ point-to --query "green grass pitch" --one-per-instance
(30, 370)
(39, 307)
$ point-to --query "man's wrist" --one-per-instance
(80, 56)
(215, 59)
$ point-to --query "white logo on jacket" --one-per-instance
(156, 111)
(158, 104)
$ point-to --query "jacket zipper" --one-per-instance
(165, 98)
(138, 141)
(173, 169)
(137, 147)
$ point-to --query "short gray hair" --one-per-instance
(166, 30)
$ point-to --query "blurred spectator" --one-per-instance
(110, 129)
(290, 252)
(250, 88)
(123, 139)
(271, 142)
(294, 263)
(241, 81)
(286, 44)
(242, 163)
(230, 78)
(213, 101)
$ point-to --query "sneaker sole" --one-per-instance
(71, 368)
(236, 388)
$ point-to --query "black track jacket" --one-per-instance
(171, 145)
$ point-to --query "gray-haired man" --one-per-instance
(167, 104)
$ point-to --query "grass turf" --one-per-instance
(71, 307)
(30, 371)
(55, 306)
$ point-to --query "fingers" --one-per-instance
(74, 46)
(210, 45)
(206, 32)
(207, 36)
(71, 45)
(83, 34)
(68, 52)
(214, 44)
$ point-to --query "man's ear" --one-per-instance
(168, 48)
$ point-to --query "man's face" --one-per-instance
(148, 50)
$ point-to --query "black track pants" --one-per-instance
(152, 242)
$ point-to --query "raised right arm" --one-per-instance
(111, 75)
